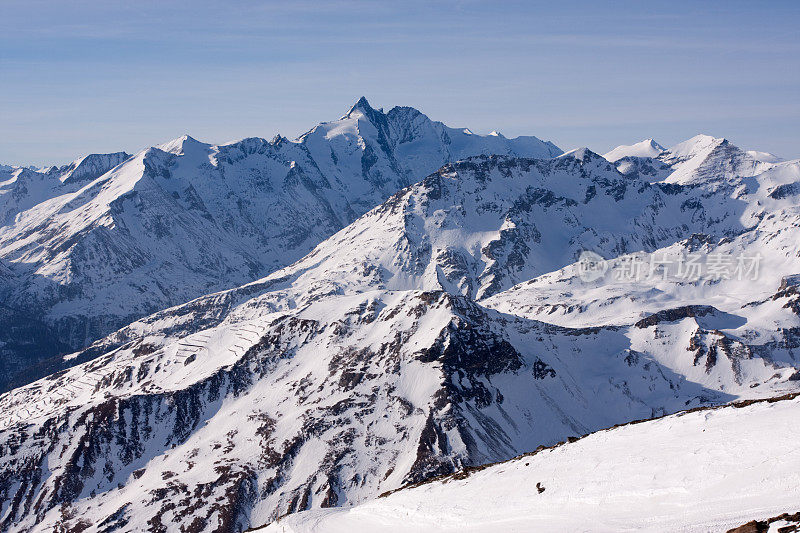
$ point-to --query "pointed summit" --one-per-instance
(361, 106)
(180, 145)
(691, 152)
(582, 154)
(697, 144)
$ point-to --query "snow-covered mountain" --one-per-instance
(708, 470)
(448, 327)
(110, 238)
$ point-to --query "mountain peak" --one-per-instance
(697, 143)
(705, 138)
(711, 160)
(581, 154)
(362, 106)
(645, 148)
(652, 144)
(699, 146)
(181, 145)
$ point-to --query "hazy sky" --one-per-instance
(79, 77)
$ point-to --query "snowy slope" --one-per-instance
(708, 470)
(395, 351)
(97, 244)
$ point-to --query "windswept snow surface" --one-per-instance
(709, 470)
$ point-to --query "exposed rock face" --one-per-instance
(673, 315)
(786, 523)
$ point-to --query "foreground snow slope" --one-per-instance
(708, 470)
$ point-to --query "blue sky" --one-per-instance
(79, 77)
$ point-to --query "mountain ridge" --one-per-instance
(198, 217)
